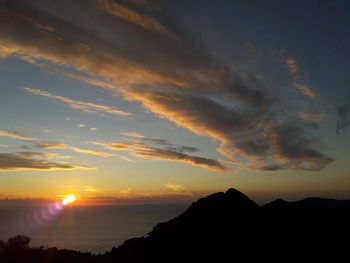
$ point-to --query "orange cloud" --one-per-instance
(313, 115)
(306, 91)
(51, 145)
(16, 135)
(75, 149)
(80, 105)
(133, 16)
(118, 146)
(20, 161)
(175, 187)
(170, 153)
(133, 134)
(145, 58)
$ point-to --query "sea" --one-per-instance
(93, 229)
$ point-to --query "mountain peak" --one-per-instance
(237, 198)
(233, 191)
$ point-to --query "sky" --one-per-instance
(164, 101)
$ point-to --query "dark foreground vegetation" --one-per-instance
(223, 227)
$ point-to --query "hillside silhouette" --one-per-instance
(224, 227)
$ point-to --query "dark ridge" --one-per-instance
(218, 208)
(310, 203)
(275, 204)
(222, 227)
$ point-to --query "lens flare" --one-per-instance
(68, 199)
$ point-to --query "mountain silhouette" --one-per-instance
(224, 227)
(231, 227)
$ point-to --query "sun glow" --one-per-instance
(68, 199)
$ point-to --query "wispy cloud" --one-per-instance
(169, 72)
(80, 105)
(125, 191)
(34, 154)
(24, 161)
(163, 142)
(87, 151)
(314, 115)
(343, 120)
(295, 72)
(16, 135)
(307, 91)
(52, 145)
(130, 15)
(169, 153)
(91, 189)
(132, 134)
(174, 187)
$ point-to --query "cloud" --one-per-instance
(87, 151)
(118, 146)
(314, 115)
(5, 51)
(125, 191)
(144, 56)
(52, 145)
(34, 154)
(295, 73)
(175, 187)
(134, 17)
(169, 153)
(90, 80)
(21, 161)
(183, 148)
(81, 125)
(343, 121)
(252, 51)
(163, 142)
(80, 105)
(132, 134)
(16, 135)
(90, 189)
(157, 141)
(292, 65)
(294, 149)
(306, 91)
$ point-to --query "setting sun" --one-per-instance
(68, 199)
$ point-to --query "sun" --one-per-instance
(68, 199)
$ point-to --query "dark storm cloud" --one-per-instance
(146, 57)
